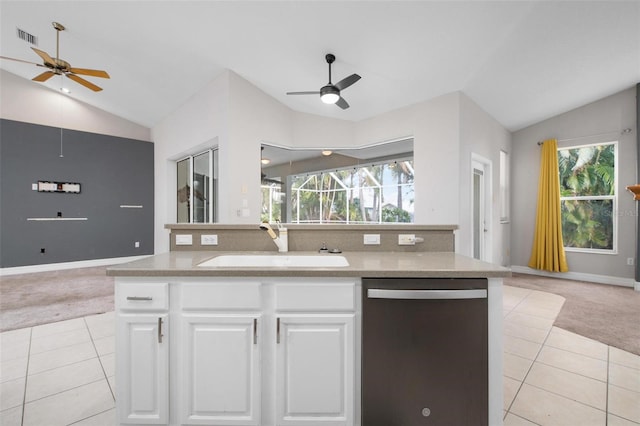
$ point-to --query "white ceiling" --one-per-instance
(520, 61)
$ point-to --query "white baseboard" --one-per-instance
(579, 276)
(47, 267)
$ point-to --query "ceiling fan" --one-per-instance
(330, 94)
(58, 66)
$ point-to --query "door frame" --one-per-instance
(485, 165)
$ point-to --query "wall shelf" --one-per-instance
(55, 219)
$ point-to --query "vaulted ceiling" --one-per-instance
(521, 61)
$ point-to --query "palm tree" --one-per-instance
(586, 172)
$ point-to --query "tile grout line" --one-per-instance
(606, 419)
(530, 367)
(93, 343)
(26, 377)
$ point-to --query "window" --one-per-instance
(200, 173)
(588, 197)
(380, 193)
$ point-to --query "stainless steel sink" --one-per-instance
(275, 261)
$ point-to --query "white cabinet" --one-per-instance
(315, 369)
(315, 353)
(221, 374)
(142, 368)
(242, 352)
(142, 354)
(219, 349)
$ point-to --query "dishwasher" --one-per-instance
(424, 352)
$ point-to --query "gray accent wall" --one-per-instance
(112, 172)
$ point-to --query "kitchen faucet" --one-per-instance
(281, 241)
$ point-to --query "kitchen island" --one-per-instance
(267, 345)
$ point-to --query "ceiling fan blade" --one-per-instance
(303, 93)
(44, 76)
(93, 73)
(342, 103)
(347, 81)
(44, 55)
(21, 60)
(84, 82)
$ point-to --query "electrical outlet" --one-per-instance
(406, 239)
(209, 240)
(371, 239)
(630, 261)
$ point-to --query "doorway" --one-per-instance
(481, 208)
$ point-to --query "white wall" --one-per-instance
(252, 117)
(199, 124)
(434, 124)
(31, 102)
(600, 121)
(482, 135)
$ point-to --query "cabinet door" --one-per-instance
(315, 369)
(142, 369)
(221, 374)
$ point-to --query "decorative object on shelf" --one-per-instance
(635, 189)
(68, 187)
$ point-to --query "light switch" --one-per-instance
(371, 239)
(184, 239)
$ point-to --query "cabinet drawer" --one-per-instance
(237, 295)
(316, 296)
(142, 296)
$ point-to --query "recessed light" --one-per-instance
(65, 90)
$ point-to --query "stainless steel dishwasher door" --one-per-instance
(424, 352)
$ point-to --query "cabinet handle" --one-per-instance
(255, 331)
(159, 330)
(145, 298)
(278, 330)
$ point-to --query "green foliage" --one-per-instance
(395, 215)
(352, 195)
(587, 172)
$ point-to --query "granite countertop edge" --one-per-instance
(361, 265)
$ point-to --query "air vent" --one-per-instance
(29, 38)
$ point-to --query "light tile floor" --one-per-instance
(555, 377)
(63, 373)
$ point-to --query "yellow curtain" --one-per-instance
(548, 248)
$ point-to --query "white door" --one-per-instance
(480, 210)
(142, 369)
(221, 369)
(315, 369)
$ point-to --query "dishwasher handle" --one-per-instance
(378, 293)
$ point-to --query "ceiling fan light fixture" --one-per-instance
(329, 94)
(327, 152)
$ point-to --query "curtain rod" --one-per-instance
(623, 132)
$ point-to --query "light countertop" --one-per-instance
(361, 264)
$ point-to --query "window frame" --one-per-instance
(212, 193)
(613, 198)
